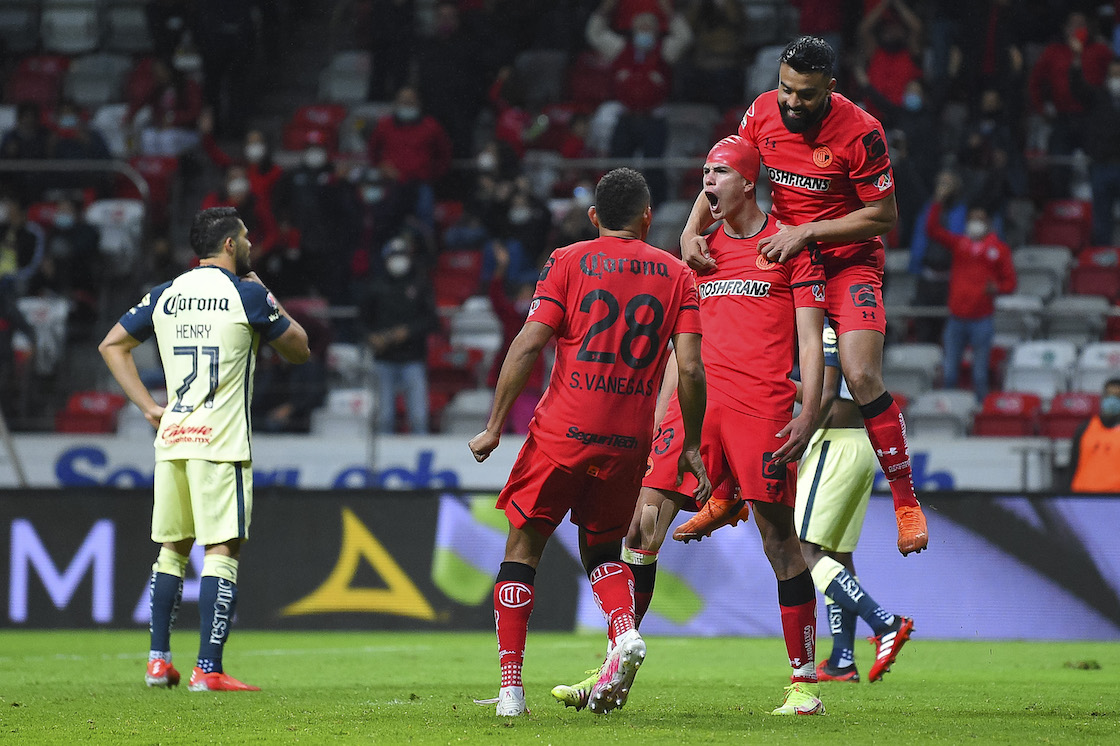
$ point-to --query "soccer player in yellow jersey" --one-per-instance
(208, 323)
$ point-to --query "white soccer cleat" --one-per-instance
(511, 702)
(617, 674)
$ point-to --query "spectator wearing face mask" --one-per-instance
(256, 158)
(980, 269)
(411, 149)
(1095, 450)
(169, 111)
(72, 266)
(641, 79)
(398, 313)
(915, 116)
(72, 139)
(1102, 144)
(256, 213)
(22, 246)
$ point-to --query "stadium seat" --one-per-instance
(347, 412)
(314, 123)
(96, 79)
(347, 364)
(31, 86)
(1042, 270)
(668, 222)
(42, 213)
(911, 368)
(941, 413)
(48, 318)
(159, 174)
(690, 128)
(139, 83)
(70, 27)
(761, 75)
(126, 27)
(121, 223)
(1016, 318)
(1041, 367)
(542, 73)
(1097, 363)
(111, 121)
(89, 412)
(1067, 412)
(475, 326)
(8, 116)
(899, 288)
(451, 370)
(346, 79)
(467, 411)
(19, 26)
(1097, 273)
(1009, 414)
(1078, 318)
(456, 277)
(1065, 222)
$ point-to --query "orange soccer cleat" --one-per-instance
(912, 533)
(161, 673)
(716, 513)
(217, 682)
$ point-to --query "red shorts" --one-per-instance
(541, 492)
(737, 449)
(853, 298)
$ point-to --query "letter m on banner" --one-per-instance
(95, 553)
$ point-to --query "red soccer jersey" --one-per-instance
(750, 329)
(825, 173)
(614, 303)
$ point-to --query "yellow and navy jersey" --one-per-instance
(208, 325)
(832, 359)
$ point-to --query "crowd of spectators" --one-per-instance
(985, 103)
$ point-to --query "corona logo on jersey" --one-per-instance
(597, 265)
(799, 181)
(515, 595)
(176, 303)
(751, 288)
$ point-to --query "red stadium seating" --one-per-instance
(589, 80)
(1067, 412)
(139, 84)
(37, 79)
(1097, 273)
(1007, 413)
(456, 277)
(89, 412)
(314, 124)
(159, 172)
(41, 213)
(1065, 222)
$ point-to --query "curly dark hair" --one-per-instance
(621, 196)
(211, 227)
(809, 54)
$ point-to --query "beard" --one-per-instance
(806, 121)
(241, 265)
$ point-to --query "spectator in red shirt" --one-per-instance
(512, 313)
(641, 78)
(256, 158)
(981, 269)
(256, 213)
(412, 149)
(891, 47)
(1051, 95)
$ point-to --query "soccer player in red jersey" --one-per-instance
(754, 312)
(613, 304)
(833, 192)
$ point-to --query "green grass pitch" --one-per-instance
(68, 687)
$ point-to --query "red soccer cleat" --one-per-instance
(887, 646)
(716, 513)
(826, 672)
(912, 533)
(217, 682)
(161, 673)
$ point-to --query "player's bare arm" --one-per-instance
(668, 386)
(692, 393)
(518, 365)
(116, 350)
(873, 219)
(810, 322)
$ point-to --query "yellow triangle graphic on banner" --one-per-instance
(401, 597)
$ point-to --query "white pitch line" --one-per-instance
(240, 653)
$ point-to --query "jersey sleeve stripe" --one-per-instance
(808, 284)
(691, 307)
(551, 300)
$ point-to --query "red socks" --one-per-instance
(887, 431)
(612, 583)
(513, 603)
(797, 599)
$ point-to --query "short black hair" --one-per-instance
(809, 54)
(1110, 383)
(621, 196)
(211, 227)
